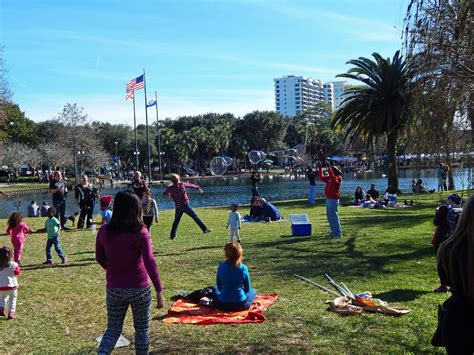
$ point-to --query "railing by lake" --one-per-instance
(222, 191)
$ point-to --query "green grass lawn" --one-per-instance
(62, 308)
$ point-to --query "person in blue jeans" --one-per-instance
(332, 191)
(58, 189)
(52, 226)
(311, 174)
(177, 191)
(232, 291)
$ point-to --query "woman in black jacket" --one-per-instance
(456, 261)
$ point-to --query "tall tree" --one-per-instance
(79, 136)
(5, 92)
(15, 155)
(380, 107)
(312, 127)
(263, 130)
(441, 34)
(17, 127)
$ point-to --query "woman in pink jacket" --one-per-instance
(124, 250)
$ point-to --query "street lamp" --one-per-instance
(117, 160)
(80, 154)
(136, 153)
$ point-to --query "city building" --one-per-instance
(339, 87)
(294, 94)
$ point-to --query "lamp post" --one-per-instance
(136, 153)
(80, 154)
(117, 160)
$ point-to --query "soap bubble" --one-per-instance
(255, 156)
(228, 160)
(218, 166)
(285, 153)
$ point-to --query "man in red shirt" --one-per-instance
(177, 191)
(332, 192)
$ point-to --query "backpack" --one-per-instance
(452, 219)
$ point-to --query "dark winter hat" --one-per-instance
(455, 198)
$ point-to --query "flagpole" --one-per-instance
(158, 137)
(135, 129)
(147, 135)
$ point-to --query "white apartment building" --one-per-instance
(294, 94)
(339, 88)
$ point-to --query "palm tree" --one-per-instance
(378, 108)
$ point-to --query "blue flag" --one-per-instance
(151, 103)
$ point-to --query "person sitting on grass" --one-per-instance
(232, 291)
(270, 212)
(44, 209)
(419, 188)
(373, 192)
(52, 226)
(177, 191)
(256, 210)
(456, 260)
(33, 209)
(359, 196)
(124, 250)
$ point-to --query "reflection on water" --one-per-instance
(222, 191)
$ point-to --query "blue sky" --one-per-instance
(200, 56)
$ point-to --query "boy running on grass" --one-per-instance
(177, 191)
(52, 227)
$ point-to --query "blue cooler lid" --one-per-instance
(299, 219)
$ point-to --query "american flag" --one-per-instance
(135, 84)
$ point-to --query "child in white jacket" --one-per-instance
(9, 270)
(234, 222)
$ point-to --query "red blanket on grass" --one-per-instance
(186, 312)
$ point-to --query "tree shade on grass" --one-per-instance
(62, 308)
(380, 106)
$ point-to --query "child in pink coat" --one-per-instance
(16, 230)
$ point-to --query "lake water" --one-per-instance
(222, 191)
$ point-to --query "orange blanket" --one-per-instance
(186, 312)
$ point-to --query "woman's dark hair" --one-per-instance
(456, 254)
(126, 214)
(5, 257)
(15, 219)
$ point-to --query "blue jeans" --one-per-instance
(118, 300)
(333, 217)
(60, 207)
(312, 194)
(178, 213)
(49, 243)
(233, 307)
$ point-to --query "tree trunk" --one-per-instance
(392, 139)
